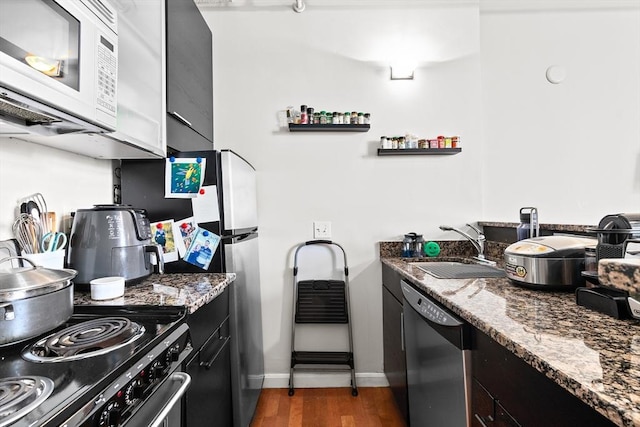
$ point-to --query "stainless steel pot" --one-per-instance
(33, 301)
(547, 262)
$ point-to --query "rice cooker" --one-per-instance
(548, 261)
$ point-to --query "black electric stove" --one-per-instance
(95, 370)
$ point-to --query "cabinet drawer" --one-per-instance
(483, 410)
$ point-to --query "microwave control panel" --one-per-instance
(107, 76)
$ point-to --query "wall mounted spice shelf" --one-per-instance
(418, 151)
(328, 128)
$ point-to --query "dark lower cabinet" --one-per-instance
(487, 411)
(208, 399)
(209, 396)
(507, 392)
(395, 365)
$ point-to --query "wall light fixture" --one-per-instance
(401, 72)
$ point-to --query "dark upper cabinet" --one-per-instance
(189, 78)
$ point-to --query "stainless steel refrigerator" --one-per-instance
(142, 186)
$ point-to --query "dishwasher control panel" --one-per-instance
(427, 307)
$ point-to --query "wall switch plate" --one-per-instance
(321, 229)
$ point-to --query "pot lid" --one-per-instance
(551, 247)
(25, 282)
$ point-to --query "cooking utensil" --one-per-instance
(36, 206)
(50, 222)
(36, 199)
(28, 232)
(33, 301)
(53, 242)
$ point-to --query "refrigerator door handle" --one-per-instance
(240, 236)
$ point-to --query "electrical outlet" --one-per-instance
(321, 229)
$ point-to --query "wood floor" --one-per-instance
(327, 407)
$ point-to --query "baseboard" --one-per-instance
(325, 380)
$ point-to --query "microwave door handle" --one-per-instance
(186, 381)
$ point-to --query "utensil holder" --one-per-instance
(53, 259)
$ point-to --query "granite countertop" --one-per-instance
(593, 356)
(192, 290)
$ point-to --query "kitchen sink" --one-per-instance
(459, 270)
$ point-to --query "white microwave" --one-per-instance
(58, 66)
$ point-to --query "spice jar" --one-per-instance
(304, 119)
(347, 118)
(367, 118)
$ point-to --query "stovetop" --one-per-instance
(80, 379)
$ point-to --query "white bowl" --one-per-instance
(107, 288)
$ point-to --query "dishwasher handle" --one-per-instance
(186, 381)
(402, 347)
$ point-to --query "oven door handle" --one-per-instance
(186, 381)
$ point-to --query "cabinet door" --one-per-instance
(395, 365)
(503, 418)
(482, 406)
(209, 396)
(189, 74)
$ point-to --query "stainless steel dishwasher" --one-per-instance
(437, 347)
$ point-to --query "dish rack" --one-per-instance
(321, 301)
(614, 233)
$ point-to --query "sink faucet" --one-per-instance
(477, 243)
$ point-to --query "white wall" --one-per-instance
(571, 149)
(67, 181)
(337, 59)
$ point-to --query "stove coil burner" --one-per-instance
(86, 339)
(21, 395)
